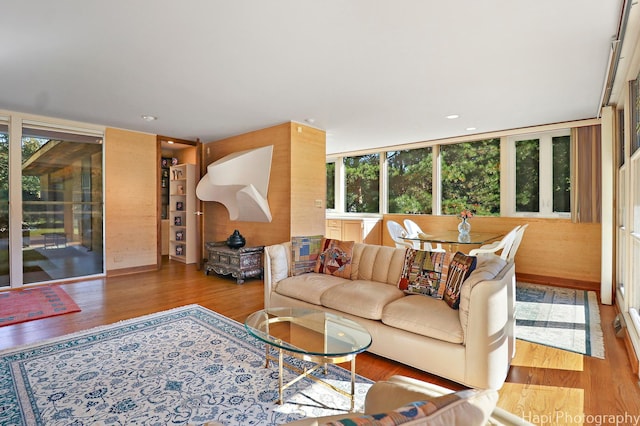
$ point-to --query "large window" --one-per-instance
(410, 175)
(362, 183)
(471, 177)
(542, 168)
(331, 185)
(528, 175)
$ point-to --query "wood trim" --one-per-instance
(558, 282)
(132, 270)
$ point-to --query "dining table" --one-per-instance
(453, 239)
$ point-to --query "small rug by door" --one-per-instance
(34, 303)
(188, 365)
(562, 318)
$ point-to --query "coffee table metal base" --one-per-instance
(321, 363)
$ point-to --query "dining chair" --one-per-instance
(397, 233)
(504, 245)
(516, 242)
(414, 230)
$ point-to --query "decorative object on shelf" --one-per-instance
(180, 250)
(240, 182)
(179, 205)
(464, 227)
(174, 161)
(179, 235)
(180, 189)
(236, 240)
(177, 221)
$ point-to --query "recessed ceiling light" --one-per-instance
(149, 117)
(170, 142)
(310, 120)
(468, 129)
(452, 116)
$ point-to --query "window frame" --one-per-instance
(508, 170)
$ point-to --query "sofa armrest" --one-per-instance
(276, 266)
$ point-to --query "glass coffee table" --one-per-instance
(311, 335)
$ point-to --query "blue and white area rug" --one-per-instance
(559, 317)
(189, 365)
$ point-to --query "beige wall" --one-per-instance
(297, 179)
(553, 251)
(131, 209)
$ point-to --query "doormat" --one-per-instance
(34, 303)
(185, 366)
(559, 317)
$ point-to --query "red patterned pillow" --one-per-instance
(460, 268)
(335, 258)
(425, 272)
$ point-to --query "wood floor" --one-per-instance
(545, 385)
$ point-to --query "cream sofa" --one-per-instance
(477, 408)
(472, 345)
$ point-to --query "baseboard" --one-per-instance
(128, 271)
(559, 282)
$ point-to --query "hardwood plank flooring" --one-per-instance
(544, 385)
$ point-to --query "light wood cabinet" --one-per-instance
(361, 230)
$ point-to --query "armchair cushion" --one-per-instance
(466, 407)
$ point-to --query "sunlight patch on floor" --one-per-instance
(534, 355)
(543, 405)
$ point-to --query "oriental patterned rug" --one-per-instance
(562, 318)
(189, 365)
(34, 303)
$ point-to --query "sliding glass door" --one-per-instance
(4, 204)
(61, 205)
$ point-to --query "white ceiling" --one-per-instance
(371, 73)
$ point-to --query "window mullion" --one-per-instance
(436, 179)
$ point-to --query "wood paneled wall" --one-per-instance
(131, 209)
(553, 251)
(298, 178)
(308, 180)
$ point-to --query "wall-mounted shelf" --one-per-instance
(182, 219)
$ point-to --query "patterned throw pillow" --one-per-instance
(304, 253)
(425, 272)
(335, 258)
(459, 269)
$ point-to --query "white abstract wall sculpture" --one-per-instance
(240, 182)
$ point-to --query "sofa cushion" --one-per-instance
(365, 299)
(425, 271)
(335, 258)
(466, 407)
(460, 268)
(279, 259)
(308, 287)
(304, 253)
(377, 263)
(425, 316)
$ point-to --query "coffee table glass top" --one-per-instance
(308, 331)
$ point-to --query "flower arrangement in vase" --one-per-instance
(464, 227)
